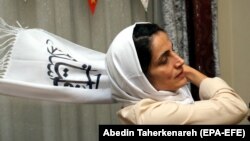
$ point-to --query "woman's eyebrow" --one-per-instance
(172, 46)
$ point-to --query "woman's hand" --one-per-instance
(193, 75)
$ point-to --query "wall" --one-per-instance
(234, 45)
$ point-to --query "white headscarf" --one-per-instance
(130, 85)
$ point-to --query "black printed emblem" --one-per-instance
(66, 71)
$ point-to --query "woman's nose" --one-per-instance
(179, 61)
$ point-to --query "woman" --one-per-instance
(150, 79)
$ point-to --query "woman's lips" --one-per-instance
(180, 74)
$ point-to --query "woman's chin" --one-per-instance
(183, 82)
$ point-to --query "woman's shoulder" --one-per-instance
(139, 112)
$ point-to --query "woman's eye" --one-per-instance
(164, 60)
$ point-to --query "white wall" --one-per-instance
(234, 45)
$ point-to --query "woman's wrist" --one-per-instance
(193, 75)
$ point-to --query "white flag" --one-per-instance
(145, 4)
(40, 65)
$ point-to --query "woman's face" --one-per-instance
(166, 67)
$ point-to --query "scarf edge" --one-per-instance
(8, 37)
